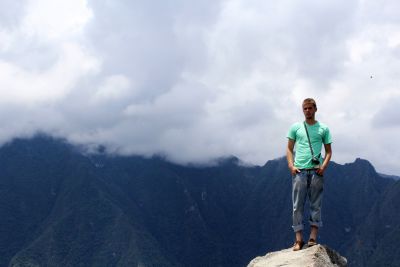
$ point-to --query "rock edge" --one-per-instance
(315, 256)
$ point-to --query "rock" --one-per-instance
(315, 256)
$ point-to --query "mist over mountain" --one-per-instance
(395, 177)
(62, 207)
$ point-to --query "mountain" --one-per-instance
(376, 240)
(60, 206)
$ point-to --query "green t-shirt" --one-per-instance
(319, 134)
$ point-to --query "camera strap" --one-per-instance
(309, 142)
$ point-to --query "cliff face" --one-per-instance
(316, 256)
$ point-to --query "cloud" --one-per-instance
(202, 79)
(29, 87)
(388, 116)
(50, 21)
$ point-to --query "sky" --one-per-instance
(199, 80)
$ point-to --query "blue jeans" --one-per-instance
(309, 184)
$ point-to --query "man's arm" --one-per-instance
(328, 155)
(289, 157)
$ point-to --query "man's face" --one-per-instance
(309, 110)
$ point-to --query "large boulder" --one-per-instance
(315, 256)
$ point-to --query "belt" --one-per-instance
(309, 171)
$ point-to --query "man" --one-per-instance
(307, 170)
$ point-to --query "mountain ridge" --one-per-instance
(61, 206)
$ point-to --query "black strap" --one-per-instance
(308, 137)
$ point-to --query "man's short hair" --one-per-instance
(310, 101)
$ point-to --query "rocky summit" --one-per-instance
(315, 256)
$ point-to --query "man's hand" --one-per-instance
(320, 171)
(294, 170)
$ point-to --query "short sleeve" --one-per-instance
(292, 132)
(327, 138)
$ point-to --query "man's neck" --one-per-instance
(311, 121)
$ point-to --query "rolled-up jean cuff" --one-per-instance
(298, 228)
(317, 224)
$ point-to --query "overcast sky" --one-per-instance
(197, 80)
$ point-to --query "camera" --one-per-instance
(315, 161)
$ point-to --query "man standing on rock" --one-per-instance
(307, 170)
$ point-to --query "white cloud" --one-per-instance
(29, 87)
(50, 20)
(199, 80)
(115, 88)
